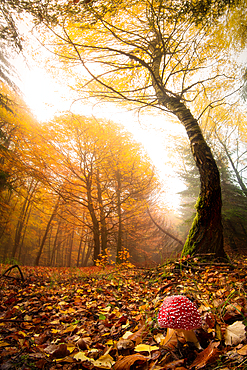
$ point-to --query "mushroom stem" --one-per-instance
(189, 336)
(174, 334)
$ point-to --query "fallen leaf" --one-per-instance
(80, 356)
(159, 337)
(104, 362)
(139, 335)
(207, 356)
(175, 365)
(235, 333)
(125, 344)
(145, 348)
(242, 351)
(41, 339)
(127, 334)
(57, 351)
(124, 363)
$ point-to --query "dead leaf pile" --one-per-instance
(106, 319)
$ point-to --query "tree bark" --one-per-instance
(206, 233)
(70, 247)
(46, 232)
(95, 222)
(103, 228)
(80, 248)
(119, 214)
(22, 221)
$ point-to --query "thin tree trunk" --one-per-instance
(55, 244)
(24, 234)
(79, 249)
(83, 256)
(240, 181)
(95, 222)
(23, 217)
(71, 241)
(102, 217)
(89, 252)
(119, 214)
(36, 263)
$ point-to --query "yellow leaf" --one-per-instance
(145, 348)
(69, 329)
(104, 362)
(55, 322)
(81, 356)
(65, 359)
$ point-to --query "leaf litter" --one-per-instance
(94, 318)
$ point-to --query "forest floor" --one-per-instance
(94, 318)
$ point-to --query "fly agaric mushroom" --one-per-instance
(180, 316)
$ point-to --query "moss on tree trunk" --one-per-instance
(206, 233)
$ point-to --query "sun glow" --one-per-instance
(47, 98)
(44, 96)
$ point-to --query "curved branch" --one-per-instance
(164, 231)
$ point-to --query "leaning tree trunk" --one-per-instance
(206, 233)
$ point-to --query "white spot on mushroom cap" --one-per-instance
(178, 312)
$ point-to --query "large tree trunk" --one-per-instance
(206, 233)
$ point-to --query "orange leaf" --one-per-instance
(124, 363)
(207, 356)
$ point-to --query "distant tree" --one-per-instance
(96, 166)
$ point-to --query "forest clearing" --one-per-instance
(106, 318)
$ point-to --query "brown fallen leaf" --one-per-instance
(175, 365)
(139, 335)
(42, 338)
(207, 356)
(57, 351)
(242, 351)
(124, 363)
(125, 344)
(235, 333)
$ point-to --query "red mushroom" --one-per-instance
(178, 314)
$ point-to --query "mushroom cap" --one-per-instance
(178, 312)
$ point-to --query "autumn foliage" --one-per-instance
(94, 318)
(73, 189)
